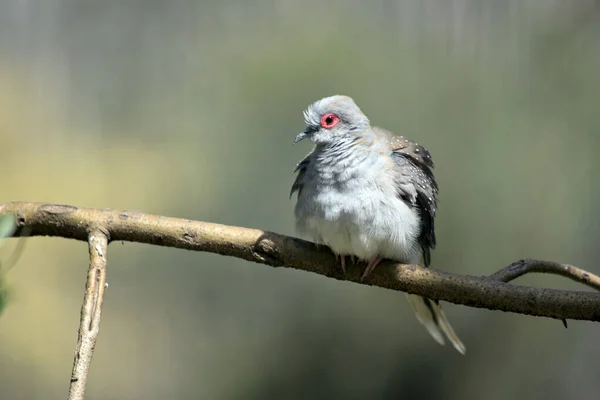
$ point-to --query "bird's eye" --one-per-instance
(330, 120)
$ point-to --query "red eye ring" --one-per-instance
(329, 120)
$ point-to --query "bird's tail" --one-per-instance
(430, 314)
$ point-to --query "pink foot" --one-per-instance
(342, 261)
(370, 267)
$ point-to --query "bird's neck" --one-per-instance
(345, 158)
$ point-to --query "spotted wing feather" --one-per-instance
(417, 186)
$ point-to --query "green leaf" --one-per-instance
(8, 225)
(4, 294)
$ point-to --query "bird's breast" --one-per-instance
(356, 210)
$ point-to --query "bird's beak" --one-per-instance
(307, 133)
(300, 136)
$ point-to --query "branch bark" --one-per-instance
(283, 251)
(91, 310)
(523, 267)
(101, 226)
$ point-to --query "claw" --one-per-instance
(342, 260)
(370, 267)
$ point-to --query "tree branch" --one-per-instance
(284, 251)
(91, 310)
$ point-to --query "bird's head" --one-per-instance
(333, 119)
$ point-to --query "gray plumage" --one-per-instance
(369, 194)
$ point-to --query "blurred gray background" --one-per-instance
(189, 109)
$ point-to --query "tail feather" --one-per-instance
(430, 314)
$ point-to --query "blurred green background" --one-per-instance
(189, 109)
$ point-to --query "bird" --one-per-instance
(369, 195)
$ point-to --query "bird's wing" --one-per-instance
(416, 185)
(301, 172)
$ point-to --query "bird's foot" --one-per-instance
(370, 267)
(342, 260)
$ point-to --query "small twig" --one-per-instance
(523, 267)
(91, 311)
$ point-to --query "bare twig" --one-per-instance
(523, 267)
(99, 226)
(91, 310)
(284, 251)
